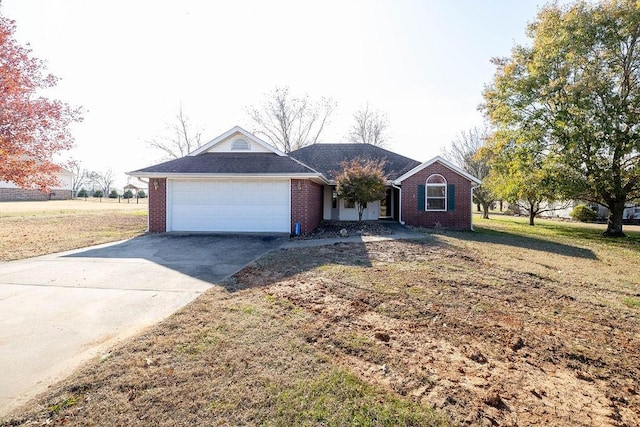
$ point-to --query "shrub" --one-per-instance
(82, 193)
(128, 194)
(142, 194)
(583, 213)
(113, 194)
(98, 193)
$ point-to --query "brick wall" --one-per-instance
(458, 219)
(19, 194)
(157, 205)
(306, 204)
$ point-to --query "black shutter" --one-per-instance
(451, 197)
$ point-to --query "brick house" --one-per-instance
(240, 183)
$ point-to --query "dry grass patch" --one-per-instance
(228, 359)
(506, 326)
(30, 229)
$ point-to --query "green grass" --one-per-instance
(66, 403)
(555, 230)
(339, 398)
(632, 302)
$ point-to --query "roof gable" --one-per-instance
(327, 158)
(443, 162)
(236, 140)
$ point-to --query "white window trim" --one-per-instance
(426, 193)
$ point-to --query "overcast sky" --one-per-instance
(131, 63)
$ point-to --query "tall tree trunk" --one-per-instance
(500, 205)
(614, 222)
(532, 213)
(478, 207)
(485, 210)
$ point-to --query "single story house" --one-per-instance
(63, 191)
(240, 183)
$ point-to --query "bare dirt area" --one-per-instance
(500, 327)
(484, 343)
(30, 229)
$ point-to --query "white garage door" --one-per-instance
(229, 205)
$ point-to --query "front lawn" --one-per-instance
(29, 229)
(509, 325)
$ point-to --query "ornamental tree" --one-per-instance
(573, 95)
(362, 181)
(32, 128)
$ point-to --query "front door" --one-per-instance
(386, 205)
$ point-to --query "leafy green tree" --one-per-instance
(573, 96)
(468, 151)
(362, 181)
(526, 178)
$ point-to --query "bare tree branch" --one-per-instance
(467, 150)
(103, 180)
(371, 127)
(182, 141)
(290, 123)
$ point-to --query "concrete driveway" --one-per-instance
(60, 310)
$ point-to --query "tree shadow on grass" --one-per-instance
(288, 262)
(487, 235)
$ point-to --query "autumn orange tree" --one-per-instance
(362, 181)
(32, 128)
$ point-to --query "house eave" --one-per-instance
(182, 175)
(443, 162)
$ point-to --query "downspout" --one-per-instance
(399, 203)
(472, 188)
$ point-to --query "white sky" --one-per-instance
(130, 63)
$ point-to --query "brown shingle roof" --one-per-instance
(229, 163)
(327, 158)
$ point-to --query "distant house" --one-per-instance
(63, 191)
(240, 183)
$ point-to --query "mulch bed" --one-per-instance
(332, 229)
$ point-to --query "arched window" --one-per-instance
(240, 144)
(436, 193)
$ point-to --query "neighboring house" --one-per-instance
(63, 191)
(240, 183)
(563, 210)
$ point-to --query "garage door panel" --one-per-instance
(236, 206)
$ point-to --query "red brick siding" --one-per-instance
(157, 205)
(306, 204)
(459, 219)
(19, 194)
